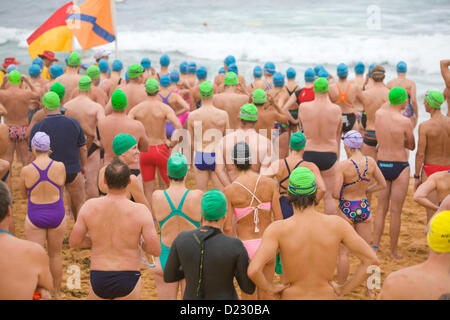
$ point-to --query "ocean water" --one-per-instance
(290, 33)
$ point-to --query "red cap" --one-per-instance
(48, 55)
(10, 60)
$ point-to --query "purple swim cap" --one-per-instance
(41, 141)
(353, 139)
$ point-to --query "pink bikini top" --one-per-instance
(239, 213)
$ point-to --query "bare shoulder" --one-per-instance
(157, 195)
(336, 108)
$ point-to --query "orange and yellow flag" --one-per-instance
(53, 34)
(91, 23)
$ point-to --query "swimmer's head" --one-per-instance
(231, 79)
(259, 97)
(151, 86)
(119, 100)
(378, 73)
(34, 71)
(206, 90)
(41, 142)
(359, 67)
(310, 75)
(39, 62)
(214, 205)
(297, 141)
(353, 139)
(370, 69)
(164, 80)
(269, 68)
(85, 83)
(122, 143)
(135, 71)
(317, 69)
(302, 188)
(146, 63)
(51, 100)
(402, 67)
(438, 237)
(93, 72)
(117, 175)
(257, 72)
(342, 70)
(434, 99)
(174, 76)
(201, 73)
(164, 60)
(14, 77)
(321, 85)
(222, 70)
(183, 67)
(241, 156)
(397, 96)
(290, 73)
(117, 65)
(191, 67)
(74, 60)
(103, 65)
(177, 166)
(249, 113)
(323, 74)
(59, 89)
(278, 80)
(56, 70)
(229, 60)
(233, 68)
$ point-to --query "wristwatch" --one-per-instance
(416, 177)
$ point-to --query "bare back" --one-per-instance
(231, 103)
(373, 99)
(437, 134)
(70, 82)
(16, 102)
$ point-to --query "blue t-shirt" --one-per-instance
(66, 137)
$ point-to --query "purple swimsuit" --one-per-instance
(47, 215)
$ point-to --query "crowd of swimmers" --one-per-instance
(115, 148)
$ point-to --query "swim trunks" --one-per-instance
(205, 160)
(391, 169)
(113, 284)
(433, 168)
(323, 160)
(17, 133)
(251, 246)
(155, 157)
(169, 126)
(370, 138)
(348, 121)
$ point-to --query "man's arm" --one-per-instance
(321, 186)
(445, 72)
(420, 154)
(379, 178)
(410, 142)
(83, 158)
(45, 279)
(422, 192)
(266, 251)
(276, 208)
(151, 243)
(137, 193)
(221, 169)
(184, 106)
(143, 142)
(78, 237)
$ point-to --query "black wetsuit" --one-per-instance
(223, 259)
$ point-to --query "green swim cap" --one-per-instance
(122, 143)
(302, 182)
(151, 85)
(321, 85)
(51, 100)
(214, 205)
(434, 98)
(85, 83)
(59, 89)
(297, 141)
(119, 100)
(259, 96)
(231, 79)
(93, 72)
(249, 112)
(206, 89)
(135, 70)
(74, 59)
(177, 166)
(14, 77)
(397, 96)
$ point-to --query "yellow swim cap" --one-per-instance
(438, 236)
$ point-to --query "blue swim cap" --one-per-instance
(324, 74)
(34, 70)
(146, 63)
(164, 80)
(11, 67)
(56, 70)
(310, 75)
(201, 73)
(370, 68)
(174, 76)
(342, 70)
(401, 67)
(359, 67)
(39, 62)
(117, 65)
(317, 69)
(290, 73)
(257, 72)
(103, 65)
(229, 60)
(127, 77)
(269, 68)
(191, 67)
(278, 79)
(164, 61)
(183, 67)
(222, 70)
(233, 68)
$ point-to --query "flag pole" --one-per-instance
(113, 16)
